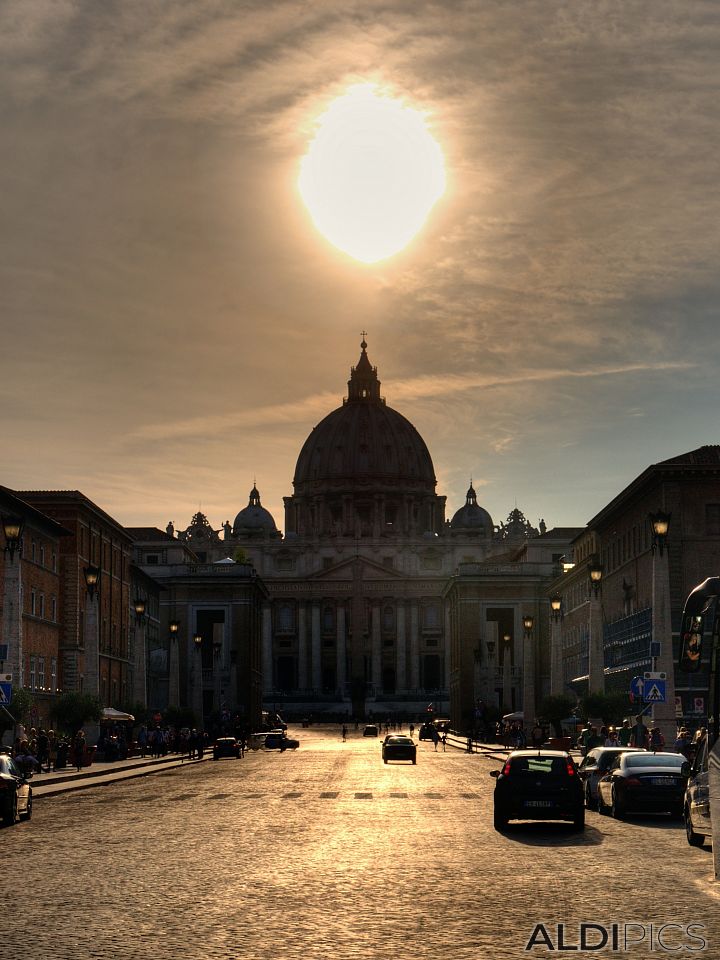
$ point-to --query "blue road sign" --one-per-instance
(655, 691)
(5, 694)
(637, 687)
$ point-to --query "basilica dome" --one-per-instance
(254, 520)
(472, 518)
(364, 442)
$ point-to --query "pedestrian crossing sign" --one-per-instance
(5, 694)
(655, 691)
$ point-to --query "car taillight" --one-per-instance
(506, 769)
(570, 769)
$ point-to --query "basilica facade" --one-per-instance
(368, 609)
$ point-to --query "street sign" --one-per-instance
(654, 675)
(5, 694)
(637, 687)
(698, 704)
(655, 691)
(5, 678)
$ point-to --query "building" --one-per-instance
(618, 542)
(30, 611)
(362, 585)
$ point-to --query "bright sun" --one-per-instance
(371, 175)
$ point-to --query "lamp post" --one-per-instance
(12, 633)
(217, 665)
(91, 682)
(556, 671)
(198, 682)
(174, 666)
(528, 678)
(663, 714)
(140, 654)
(507, 675)
(596, 648)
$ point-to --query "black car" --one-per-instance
(426, 732)
(370, 730)
(595, 764)
(696, 811)
(278, 740)
(15, 792)
(396, 746)
(644, 783)
(538, 785)
(226, 747)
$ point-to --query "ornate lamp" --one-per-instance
(556, 608)
(92, 579)
(595, 572)
(139, 605)
(528, 622)
(13, 529)
(660, 523)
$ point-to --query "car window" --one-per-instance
(654, 760)
(590, 762)
(543, 766)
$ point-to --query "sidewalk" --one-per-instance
(101, 773)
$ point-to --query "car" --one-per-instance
(370, 730)
(441, 724)
(644, 782)
(426, 731)
(595, 764)
(15, 792)
(278, 740)
(696, 808)
(226, 747)
(538, 785)
(396, 746)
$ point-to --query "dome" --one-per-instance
(472, 518)
(364, 442)
(254, 520)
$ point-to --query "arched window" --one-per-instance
(285, 618)
(328, 619)
(388, 618)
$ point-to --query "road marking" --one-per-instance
(363, 796)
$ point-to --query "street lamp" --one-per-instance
(659, 523)
(92, 578)
(528, 624)
(139, 605)
(174, 627)
(197, 640)
(556, 608)
(12, 528)
(595, 570)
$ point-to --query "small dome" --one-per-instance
(254, 520)
(472, 518)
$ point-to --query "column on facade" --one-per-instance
(302, 646)
(596, 652)
(91, 682)
(491, 636)
(663, 714)
(218, 651)
(316, 648)
(557, 684)
(267, 649)
(414, 646)
(140, 664)
(196, 681)
(12, 621)
(376, 649)
(528, 675)
(507, 676)
(340, 651)
(174, 672)
(446, 650)
(400, 648)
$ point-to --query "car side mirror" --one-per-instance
(494, 774)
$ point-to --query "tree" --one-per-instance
(612, 707)
(17, 712)
(240, 556)
(555, 709)
(72, 710)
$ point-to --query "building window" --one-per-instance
(54, 562)
(285, 618)
(388, 620)
(53, 609)
(431, 616)
(32, 673)
(41, 673)
(152, 559)
(42, 605)
(33, 551)
(712, 519)
(327, 562)
(388, 562)
(33, 602)
(328, 619)
(53, 674)
(42, 555)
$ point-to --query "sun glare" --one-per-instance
(371, 175)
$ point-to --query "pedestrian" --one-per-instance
(443, 739)
(639, 736)
(683, 744)
(612, 738)
(52, 750)
(657, 740)
(142, 740)
(412, 729)
(624, 734)
(344, 732)
(435, 736)
(43, 750)
(79, 750)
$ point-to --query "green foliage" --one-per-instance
(611, 707)
(556, 708)
(22, 701)
(72, 710)
(241, 556)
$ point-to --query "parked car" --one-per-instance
(595, 765)
(696, 809)
(426, 731)
(278, 740)
(370, 730)
(396, 746)
(226, 747)
(15, 792)
(538, 785)
(643, 782)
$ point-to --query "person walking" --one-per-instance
(624, 734)
(344, 732)
(639, 736)
(79, 749)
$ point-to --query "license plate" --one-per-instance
(539, 803)
(662, 781)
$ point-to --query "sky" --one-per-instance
(172, 324)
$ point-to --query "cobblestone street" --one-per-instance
(326, 852)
